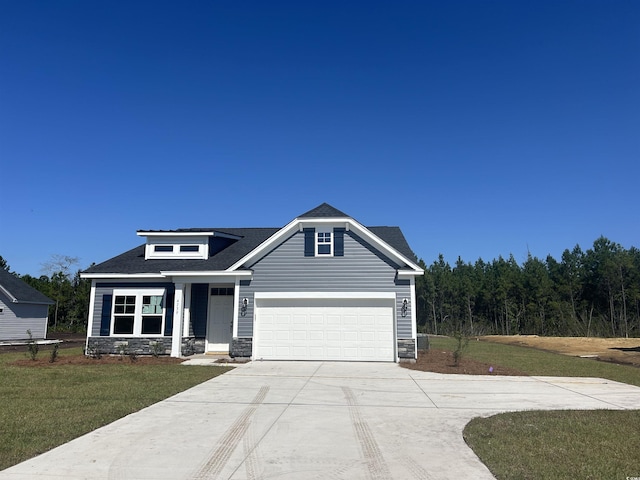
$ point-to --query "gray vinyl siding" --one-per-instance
(17, 318)
(361, 269)
(107, 289)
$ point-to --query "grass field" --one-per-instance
(536, 362)
(43, 407)
(599, 444)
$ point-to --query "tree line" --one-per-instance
(61, 284)
(592, 293)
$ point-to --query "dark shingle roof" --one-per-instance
(324, 211)
(247, 240)
(133, 261)
(394, 237)
(21, 291)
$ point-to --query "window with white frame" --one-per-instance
(138, 312)
(324, 242)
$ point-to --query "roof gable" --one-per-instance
(324, 211)
(21, 292)
(246, 245)
(388, 240)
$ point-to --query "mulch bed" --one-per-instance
(43, 360)
(435, 360)
(441, 361)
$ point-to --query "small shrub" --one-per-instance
(94, 352)
(33, 346)
(133, 357)
(156, 348)
(122, 351)
(189, 348)
(462, 342)
(54, 353)
(423, 343)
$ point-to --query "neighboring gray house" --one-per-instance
(323, 287)
(22, 308)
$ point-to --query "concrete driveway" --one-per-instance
(315, 420)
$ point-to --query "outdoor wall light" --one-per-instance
(405, 306)
(243, 308)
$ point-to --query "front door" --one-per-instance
(220, 324)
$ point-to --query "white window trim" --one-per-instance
(332, 239)
(137, 316)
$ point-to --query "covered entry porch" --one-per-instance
(206, 312)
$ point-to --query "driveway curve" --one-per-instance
(315, 420)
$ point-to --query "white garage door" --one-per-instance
(326, 329)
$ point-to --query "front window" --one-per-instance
(324, 244)
(138, 312)
(152, 314)
(124, 309)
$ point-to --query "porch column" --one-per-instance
(176, 334)
(186, 321)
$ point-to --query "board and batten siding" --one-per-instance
(103, 289)
(361, 269)
(17, 318)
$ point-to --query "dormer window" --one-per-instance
(176, 245)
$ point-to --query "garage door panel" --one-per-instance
(300, 335)
(334, 336)
(325, 329)
(300, 320)
(315, 352)
(282, 335)
(368, 336)
(350, 336)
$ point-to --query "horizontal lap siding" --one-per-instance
(286, 269)
(107, 289)
(17, 318)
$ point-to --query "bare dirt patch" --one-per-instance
(66, 340)
(615, 350)
(441, 361)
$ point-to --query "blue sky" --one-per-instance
(481, 128)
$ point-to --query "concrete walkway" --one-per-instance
(315, 420)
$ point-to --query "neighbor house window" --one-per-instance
(324, 243)
(138, 312)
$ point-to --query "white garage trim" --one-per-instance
(351, 295)
(342, 326)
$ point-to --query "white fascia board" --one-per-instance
(143, 233)
(383, 246)
(410, 273)
(124, 276)
(322, 295)
(8, 294)
(349, 224)
(266, 245)
(216, 273)
(208, 277)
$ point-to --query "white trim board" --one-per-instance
(323, 295)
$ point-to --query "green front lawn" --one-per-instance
(585, 444)
(537, 362)
(598, 444)
(43, 407)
